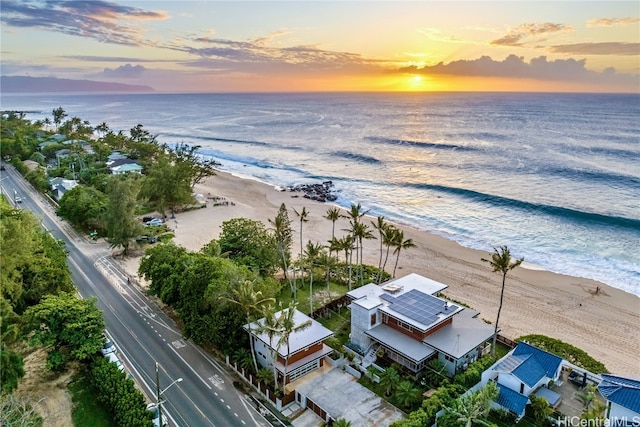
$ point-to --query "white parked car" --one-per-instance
(154, 222)
(114, 359)
(108, 347)
(153, 408)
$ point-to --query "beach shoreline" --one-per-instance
(602, 320)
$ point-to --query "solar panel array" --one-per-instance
(421, 307)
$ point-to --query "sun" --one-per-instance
(415, 82)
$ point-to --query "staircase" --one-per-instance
(370, 357)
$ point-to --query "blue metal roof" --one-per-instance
(623, 391)
(512, 400)
(538, 363)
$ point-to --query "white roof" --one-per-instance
(462, 335)
(402, 284)
(371, 296)
(298, 340)
(413, 349)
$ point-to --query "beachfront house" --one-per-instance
(404, 320)
(123, 166)
(305, 352)
(623, 400)
(524, 371)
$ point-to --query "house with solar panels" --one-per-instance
(524, 371)
(404, 319)
(623, 400)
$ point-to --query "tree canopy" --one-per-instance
(249, 243)
(72, 326)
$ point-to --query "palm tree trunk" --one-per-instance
(292, 285)
(379, 261)
(495, 331)
(384, 265)
(286, 366)
(396, 266)
(253, 351)
(311, 291)
(361, 265)
(350, 264)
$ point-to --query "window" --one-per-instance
(405, 325)
(373, 319)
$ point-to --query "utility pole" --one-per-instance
(161, 420)
(158, 402)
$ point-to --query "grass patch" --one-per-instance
(87, 412)
(321, 295)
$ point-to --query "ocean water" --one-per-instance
(556, 177)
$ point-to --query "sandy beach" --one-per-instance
(602, 320)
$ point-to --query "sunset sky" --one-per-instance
(243, 46)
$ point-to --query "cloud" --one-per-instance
(258, 56)
(606, 22)
(609, 48)
(125, 71)
(91, 58)
(527, 33)
(515, 67)
(99, 20)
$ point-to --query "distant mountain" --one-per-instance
(52, 84)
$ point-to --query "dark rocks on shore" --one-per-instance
(319, 192)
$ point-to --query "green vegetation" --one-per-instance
(88, 412)
(566, 351)
(70, 326)
(125, 402)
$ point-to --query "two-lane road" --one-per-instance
(143, 334)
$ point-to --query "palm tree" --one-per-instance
(243, 358)
(595, 414)
(288, 326)
(541, 409)
(272, 328)
(103, 128)
(333, 214)
(361, 231)
(264, 376)
(501, 262)
(326, 262)
(355, 213)
(389, 380)
(311, 255)
(58, 115)
(587, 395)
(407, 394)
(474, 408)
(303, 214)
(388, 237)
(381, 226)
(400, 243)
(341, 422)
(282, 231)
(250, 300)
